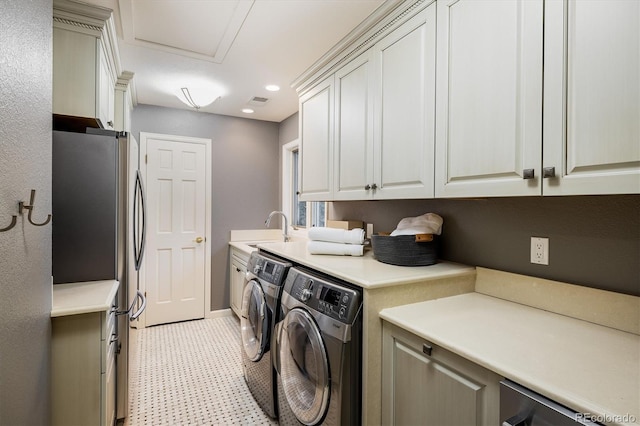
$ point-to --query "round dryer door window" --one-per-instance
(304, 368)
(254, 321)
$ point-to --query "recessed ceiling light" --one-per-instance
(272, 88)
(247, 110)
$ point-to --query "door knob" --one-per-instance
(199, 240)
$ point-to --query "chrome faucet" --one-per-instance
(286, 224)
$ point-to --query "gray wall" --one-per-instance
(593, 240)
(244, 173)
(25, 251)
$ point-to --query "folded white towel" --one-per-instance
(429, 223)
(334, 235)
(338, 249)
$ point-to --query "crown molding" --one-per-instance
(386, 18)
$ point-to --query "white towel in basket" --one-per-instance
(337, 249)
(429, 223)
(334, 235)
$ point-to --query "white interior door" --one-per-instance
(176, 251)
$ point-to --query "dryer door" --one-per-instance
(304, 367)
(254, 321)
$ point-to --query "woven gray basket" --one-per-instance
(405, 250)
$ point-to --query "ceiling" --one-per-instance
(234, 46)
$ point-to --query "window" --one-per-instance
(304, 214)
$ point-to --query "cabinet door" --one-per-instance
(77, 354)
(108, 407)
(354, 130)
(437, 389)
(105, 92)
(237, 274)
(405, 103)
(489, 101)
(316, 147)
(592, 97)
(74, 73)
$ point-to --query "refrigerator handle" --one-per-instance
(143, 305)
(139, 244)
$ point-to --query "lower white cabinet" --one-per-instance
(237, 271)
(83, 357)
(427, 385)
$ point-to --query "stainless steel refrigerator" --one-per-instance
(99, 226)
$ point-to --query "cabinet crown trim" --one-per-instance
(381, 22)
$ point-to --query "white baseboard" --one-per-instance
(219, 313)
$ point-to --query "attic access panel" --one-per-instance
(194, 28)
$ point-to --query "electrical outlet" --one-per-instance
(540, 250)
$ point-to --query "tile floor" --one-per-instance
(190, 373)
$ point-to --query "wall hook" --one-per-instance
(22, 206)
(14, 220)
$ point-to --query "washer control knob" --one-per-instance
(306, 294)
(257, 268)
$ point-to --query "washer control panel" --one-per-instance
(266, 268)
(337, 301)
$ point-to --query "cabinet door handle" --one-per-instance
(367, 187)
(237, 269)
(549, 172)
(528, 174)
(517, 420)
(426, 349)
(374, 186)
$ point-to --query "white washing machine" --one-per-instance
(260, 307)
(319, 351)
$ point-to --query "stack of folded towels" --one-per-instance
(335, 241)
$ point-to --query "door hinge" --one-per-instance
(145, 159)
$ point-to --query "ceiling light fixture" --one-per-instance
(247, 110)
(200, 97)
(272, 88)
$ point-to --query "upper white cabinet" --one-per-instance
(527, 97)
(489, 101)
(500, 133)
(124, 102)
(354, 129)
(382, 136)
(592, 97)
(84, 62)
(316, 130)
(404, 106)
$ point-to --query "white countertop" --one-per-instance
(246, 240)
(83, 297)
(588, 367)
(245, 246)
(365, 271)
